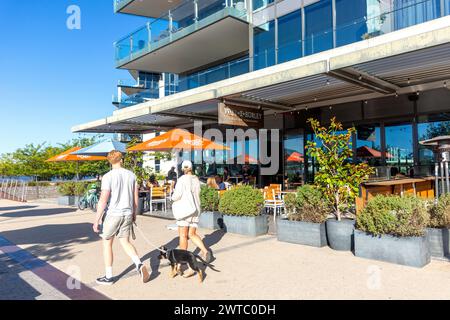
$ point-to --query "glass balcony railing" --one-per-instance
(189, 16)
(357, 30)
(131, 100)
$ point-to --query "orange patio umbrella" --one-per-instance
(177, 139)
(246, 159)
(295, 157)
(67, 156)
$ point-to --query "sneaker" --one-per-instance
(143, 272)
(105, 281)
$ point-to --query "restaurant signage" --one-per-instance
(240, 116)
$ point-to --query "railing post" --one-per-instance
(196, 11)
(15, 190)
(131, 46)
(149, 33)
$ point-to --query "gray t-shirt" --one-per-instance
(122, 183)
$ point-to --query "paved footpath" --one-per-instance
(50, 252)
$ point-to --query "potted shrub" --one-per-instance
(337, 178)
(241, 208)
(71, 192)
(392, 229)
(210, 218)
(306, 216)
(438, 227)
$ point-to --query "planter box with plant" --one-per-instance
(438, 228)
(241, 208)
(337, 179)
(392, 229)
(307, 213)
(210, 218)
(71, 192)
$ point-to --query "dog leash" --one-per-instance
(146, 239)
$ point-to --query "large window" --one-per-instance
(368, 145)
(428, 131)
(290, 37)
(318, 27)
(399, 148)
(293, 159)
(411, 12)
(351, 25)
(264, 45)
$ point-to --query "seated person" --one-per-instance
(211, 182)
(226, 174)
(220, 183)
(152, 182)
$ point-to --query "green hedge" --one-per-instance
(309, 205)
(72, 188)
(394, 215)
(440, 213)
(242, 201)
(209, 199)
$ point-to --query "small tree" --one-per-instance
(337, 178)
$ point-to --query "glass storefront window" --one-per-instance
(351, 25)
(264, 45)
(318, 27)
(399, 148)
(428, 131)
(290, 37)
(368, 145)
(294, 159)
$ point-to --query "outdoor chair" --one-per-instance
(274, 201)
(158, 195)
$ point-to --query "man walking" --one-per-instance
(119, 187)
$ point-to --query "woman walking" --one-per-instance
(186, 209)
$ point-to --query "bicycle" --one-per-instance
(89, 200)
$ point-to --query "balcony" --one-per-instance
(181, 40)
(147, 8)
(133, 93)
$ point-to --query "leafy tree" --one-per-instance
(337, 178)
(31, 161)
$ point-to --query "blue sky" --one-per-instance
(53, 78)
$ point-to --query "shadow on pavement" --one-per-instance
(53, 242)
(37, 213)
(16, 208)
(13, 286)
(154, 261)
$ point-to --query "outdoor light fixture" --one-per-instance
(360, 77)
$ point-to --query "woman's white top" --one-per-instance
(187, 187)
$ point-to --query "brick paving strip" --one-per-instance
(48, 273)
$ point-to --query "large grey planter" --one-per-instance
(340, 234)
(248, 226)
(408, 251)
(68, 201)
(211, 220)
(438, 242)
(306, 233)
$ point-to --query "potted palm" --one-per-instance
(392, 229)
(210, 218)
(306, 216)
(438, 227)
(241, 208)
(337, 178)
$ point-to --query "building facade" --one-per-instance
(379, 65)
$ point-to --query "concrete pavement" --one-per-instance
(251, 268)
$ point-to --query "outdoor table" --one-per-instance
(419, 187)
